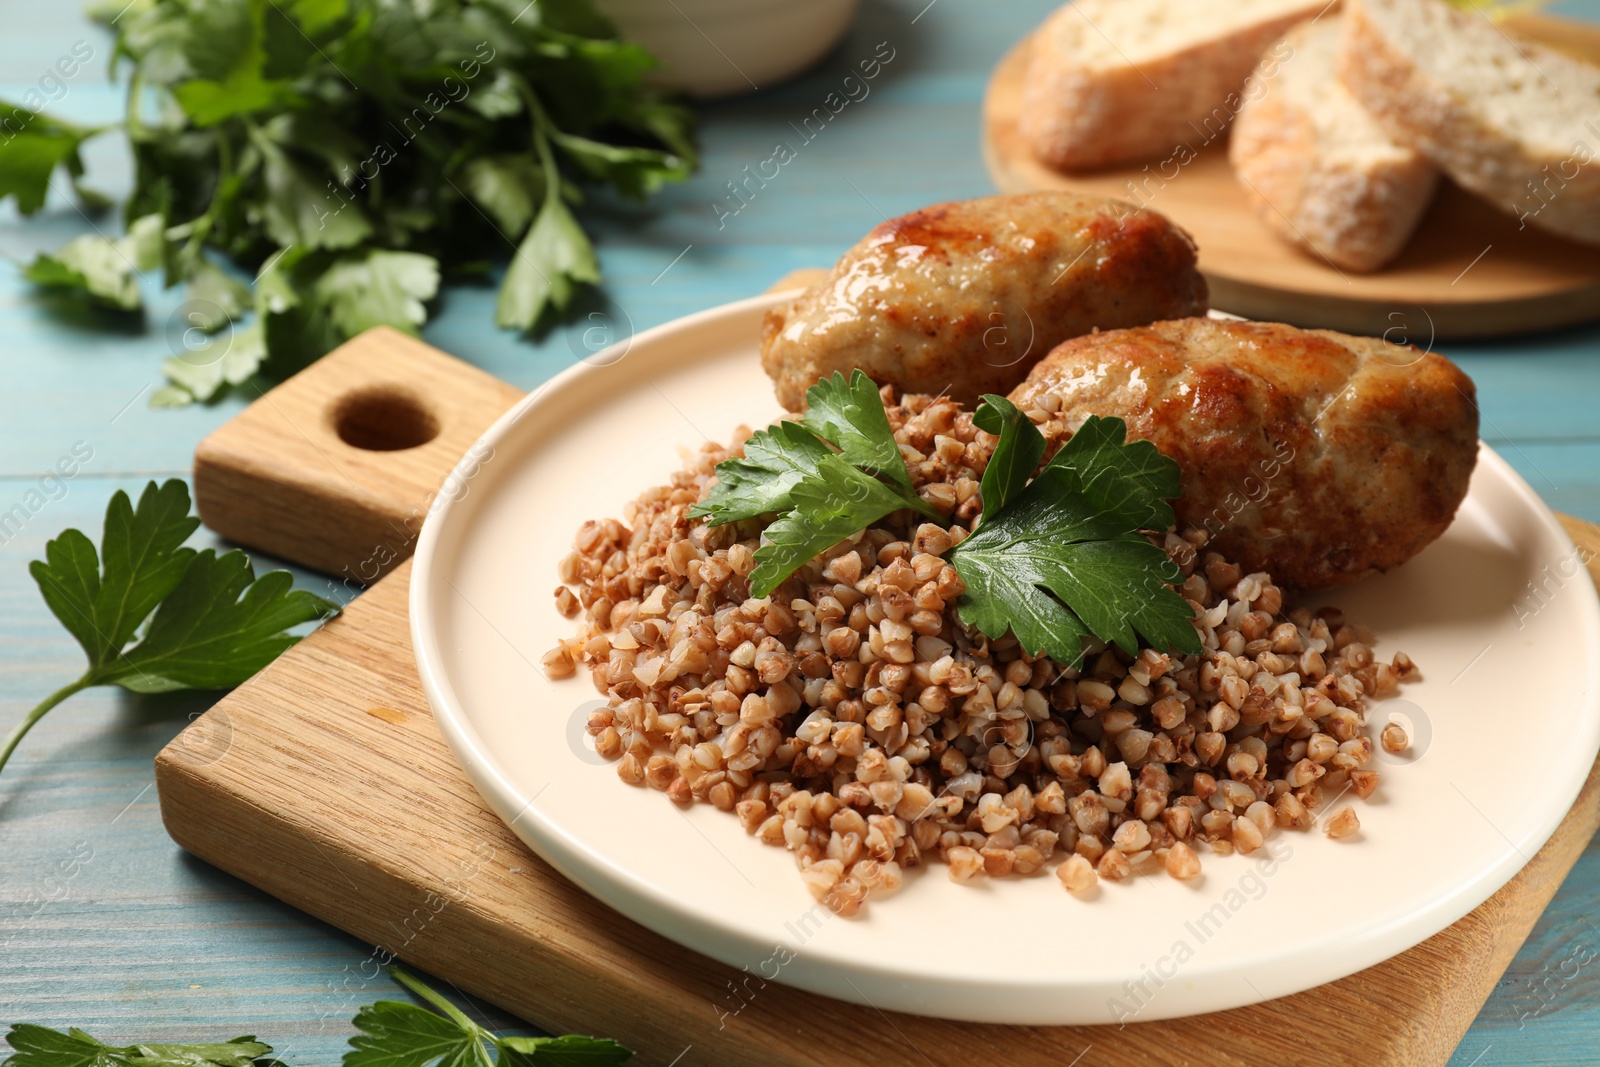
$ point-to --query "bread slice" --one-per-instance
(1317, 168)
(1112, 81)
(1514, 122)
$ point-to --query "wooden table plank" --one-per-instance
(139, 924)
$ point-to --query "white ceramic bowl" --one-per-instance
(711, 48)
(1505, 725)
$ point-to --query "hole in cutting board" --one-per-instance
(383, 420)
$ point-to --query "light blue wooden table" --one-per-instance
(106, 924)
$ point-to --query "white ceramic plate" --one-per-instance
(1505, 728)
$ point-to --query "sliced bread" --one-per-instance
(1517, 123)
(1317, 168)
(1111, 81)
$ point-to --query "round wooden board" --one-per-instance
(1468, 271)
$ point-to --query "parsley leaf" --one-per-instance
(229, 48)
(1015, 456)
(214, 625)
(396, 1034)
(144, 561)
(33, 152)
(220, 625)
(508, 186)
(1103, 443)
(1063, 561)
(830, 504)
(294, 209)
(210, 286)
(308, 302)
(823, 496)
(850, 414)
(39, 1046)
(775, 460)
(550, 263)
(90, 264)
(392, 1034)
(569, 1050)
(104, 269)
(378, 288)
(200, 374)
(240, 1052)
(847, 414)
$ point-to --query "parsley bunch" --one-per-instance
(1057, 559)
(212, 622)
(345, 152)
(393, 1034)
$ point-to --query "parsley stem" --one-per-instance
(202, 225)
(413, 983)
(134, 122)
(541, 140)
(547, 163)
(22, 728)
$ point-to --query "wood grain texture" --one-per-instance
(1526, 278)
(287, 456)
(325, 782)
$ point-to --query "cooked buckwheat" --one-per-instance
(852, 718)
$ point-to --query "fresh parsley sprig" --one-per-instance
(40, 1046)
(828, 505)
(775, 461)
(212, 622)
(1063, 560)
(1057, 559)
(392, 1034)
(821, 495)
(1100, 443)
(348, 153)
(396, 1034)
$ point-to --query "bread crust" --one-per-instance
(1313, 455)
(1358, 214)
(1556, 192)
(1078, 118)
(963, 298)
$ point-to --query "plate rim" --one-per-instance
(640, 901)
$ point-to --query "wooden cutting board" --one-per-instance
(1468, 271)
(325, 782)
